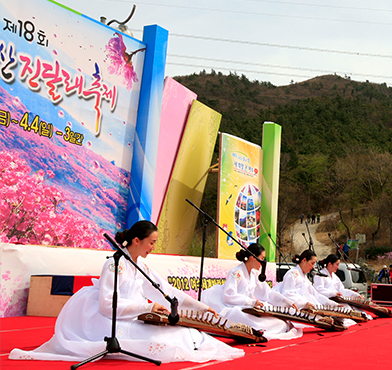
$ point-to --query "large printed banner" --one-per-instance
(69, 100)
(239, 194)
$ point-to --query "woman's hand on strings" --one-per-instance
(258, 304)
(295, 306)
(158, 308)
(209, 309)
(309, 306)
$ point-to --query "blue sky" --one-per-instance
(276, 41)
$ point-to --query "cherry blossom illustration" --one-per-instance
(33, 212)
(120, 62)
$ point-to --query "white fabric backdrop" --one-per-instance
(19, 262)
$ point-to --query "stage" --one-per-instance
(363, 346)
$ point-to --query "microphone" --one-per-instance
(263, 276)
(313, 272)
(173, 317)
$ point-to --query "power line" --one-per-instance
(276, 66)
(283, 3)
(321, 5)
(265, 14)
(241, 70)
(268, 44)
(282, 46)
(233, 69)
(273, 66)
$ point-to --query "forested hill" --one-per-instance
(321, 115)
(336, 153)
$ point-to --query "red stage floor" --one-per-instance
(364, 346)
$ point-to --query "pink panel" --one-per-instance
(176, 103)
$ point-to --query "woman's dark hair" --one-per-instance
(307, 254)
(243, 255)
(332, 258)
(140, 230)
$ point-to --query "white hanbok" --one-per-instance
(86, 319)
(241, 290)
(331, 285)
(297, 287)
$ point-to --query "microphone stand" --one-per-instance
(354, 264)
(306, 240)
(280, 254)
(203, 248)
(311, 246)
(208, 218)
(113, 346)
(337, 246)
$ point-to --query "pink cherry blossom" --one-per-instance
(33, 212)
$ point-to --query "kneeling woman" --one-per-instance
(87, 317)
(331, 285)
(243, 289)
(296, 285)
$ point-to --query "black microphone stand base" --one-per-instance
(113, 347)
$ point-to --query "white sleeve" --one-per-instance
(322, 298)
(288, 289)
(231, 295)
(264, 293)
(319, 284)
(347, 292)
(126, 307)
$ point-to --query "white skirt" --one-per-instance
(80, 330)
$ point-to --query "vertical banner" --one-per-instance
(176, 104)
(270, 185)
(69, 98)
(147, 129)
(239, 201)
(178, 218)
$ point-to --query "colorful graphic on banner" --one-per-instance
(239, 194)
(68, 104)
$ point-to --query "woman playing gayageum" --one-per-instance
(243, 289)
(87, 317)
(296, 285)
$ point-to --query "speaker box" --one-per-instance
(382, 294)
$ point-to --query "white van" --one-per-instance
(352, 277)
(282, 268)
